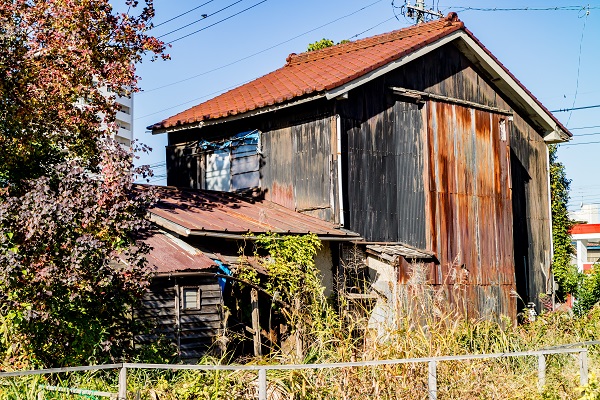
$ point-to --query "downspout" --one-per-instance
(550, 220)
(338, 135)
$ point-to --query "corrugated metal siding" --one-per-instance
(469, 204)
(385, 182)
(297, 168)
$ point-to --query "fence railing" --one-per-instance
(261, 370)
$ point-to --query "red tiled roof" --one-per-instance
(209, 212)
(317, 71)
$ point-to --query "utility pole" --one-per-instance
(419, 11)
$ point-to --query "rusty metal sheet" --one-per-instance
(469, 213)
(219, 212)
(167, 255)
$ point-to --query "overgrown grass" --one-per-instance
(425, 328)
(486, 379)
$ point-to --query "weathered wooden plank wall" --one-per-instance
(386, 200)
(191, 332)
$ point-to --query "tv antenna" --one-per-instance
(419, 11)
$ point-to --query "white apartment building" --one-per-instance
(125, 121)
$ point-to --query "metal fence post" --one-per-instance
(541, 371)
(262, 384)
(583, 367)
(122, 395)
(432, 380)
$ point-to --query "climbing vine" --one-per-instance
(294, 279)
(565, 273)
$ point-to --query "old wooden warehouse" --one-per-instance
(418, 137)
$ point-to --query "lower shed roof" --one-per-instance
(191, 212)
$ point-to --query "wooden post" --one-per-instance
(255, 321)
(299, 345)
(541, 372)
(432, 380)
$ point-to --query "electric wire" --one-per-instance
(558, 8)
(218, 22)
(261, 51)
(578, 144)
(195, 22)
(584, 127)
(578, 66)
(373, 27)
(575, 108)
(193, 100)
(182, 14)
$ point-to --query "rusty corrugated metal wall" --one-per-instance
(298, 170)
(469, 206)
(386, 198)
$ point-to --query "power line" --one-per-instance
(182, 14)
(261, 51)
(585, 127)
(575, 108)
(560, 8)
(218, 22)
(578, 144)
(203, 18)
(578, 65)
(190, 101)
(373, 27)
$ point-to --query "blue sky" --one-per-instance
(554, 53)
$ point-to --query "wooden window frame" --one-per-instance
(183, 303)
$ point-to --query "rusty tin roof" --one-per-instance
(190, 212)
(169, 255)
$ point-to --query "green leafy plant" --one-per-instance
(71, 266)
(564, 272)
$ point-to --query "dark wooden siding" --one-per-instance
(532, 236)
(193, 333)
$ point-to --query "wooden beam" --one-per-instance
(255, 322)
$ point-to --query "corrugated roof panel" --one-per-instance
(220, 212)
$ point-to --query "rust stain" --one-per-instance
(470, 207)
(281, 194)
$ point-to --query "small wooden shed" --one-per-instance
(197, 245)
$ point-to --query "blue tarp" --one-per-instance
(244, 138)
(223, 268)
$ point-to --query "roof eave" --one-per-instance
(551, 129)
(255, 112)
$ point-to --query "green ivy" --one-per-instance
(565, 273)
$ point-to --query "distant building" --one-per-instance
(125, 121)
(588, 213)
(586, 238)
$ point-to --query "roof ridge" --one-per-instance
(344, 48)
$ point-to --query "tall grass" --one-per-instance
(417, 332)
